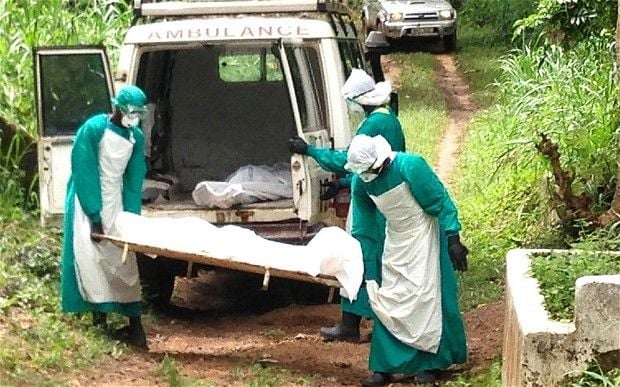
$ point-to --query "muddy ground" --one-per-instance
(213, 341)
(222, 325)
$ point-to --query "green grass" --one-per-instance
(168, 370)
(595, 376)
(259, 375)
(557, 272)
(39, 343)
(490, 377)
(478, 60)
(422, 108)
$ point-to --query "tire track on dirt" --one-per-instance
(461, 107)
(484, 324)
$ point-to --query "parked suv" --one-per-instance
(398, 19)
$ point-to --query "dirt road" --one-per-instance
(222, 346)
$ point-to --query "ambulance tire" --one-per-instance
(157, 277)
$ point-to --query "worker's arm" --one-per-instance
(430, 193)
(365, 228)
(329, 159)
(85, 166)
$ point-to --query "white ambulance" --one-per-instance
(228, 83)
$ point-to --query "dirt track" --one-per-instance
(209, 340)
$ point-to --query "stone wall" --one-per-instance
(542, 352)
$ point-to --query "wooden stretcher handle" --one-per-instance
(125, 253)
(266, 279)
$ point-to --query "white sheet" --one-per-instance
(332, 251)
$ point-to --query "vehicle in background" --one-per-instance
(399, 20)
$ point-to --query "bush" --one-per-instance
(570, 97)
(557, 273)
(497, 17)
(570, 21)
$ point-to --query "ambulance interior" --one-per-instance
(214, 109)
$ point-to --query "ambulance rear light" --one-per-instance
(195, 8)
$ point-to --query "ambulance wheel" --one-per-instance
(157, 280)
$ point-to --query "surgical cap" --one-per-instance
(380, 95)
(130, 95)
(358, 83)
(367, 152)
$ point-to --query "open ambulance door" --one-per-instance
(72, 84)
(301, 64)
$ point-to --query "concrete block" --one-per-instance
(541, 352)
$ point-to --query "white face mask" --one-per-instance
(367, 177)
(129, 122)
(354, 106)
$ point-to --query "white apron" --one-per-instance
(101, 275)
(408, 302)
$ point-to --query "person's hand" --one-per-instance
(298, 145)
(458, 253)
(96, 228)
(333, 187)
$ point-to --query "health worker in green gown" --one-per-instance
(417, 328)
(107, 172)
(363, 95)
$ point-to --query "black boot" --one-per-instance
(377, 379)
(133, 334)
(347, 330)
(426, 377)
(100, 320)
(137, 336)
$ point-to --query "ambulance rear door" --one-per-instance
(71, 85)
(301, 61)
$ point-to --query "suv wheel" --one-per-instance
(449, 42)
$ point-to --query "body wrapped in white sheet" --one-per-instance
(332, 251)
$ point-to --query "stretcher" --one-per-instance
(204, 259)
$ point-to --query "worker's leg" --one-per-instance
(137, 336)
(100, 320)
(347, 330)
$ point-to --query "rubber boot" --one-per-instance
(377, 379)
(347, 330)
(426, 377)
(100, 320)
(137, 336)
(132, 334)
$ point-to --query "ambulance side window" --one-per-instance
(73, 88)
(351, 56)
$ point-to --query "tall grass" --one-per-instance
(570, 96)
(504, 193)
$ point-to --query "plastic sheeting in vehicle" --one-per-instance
(249, 184)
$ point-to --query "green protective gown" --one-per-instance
(84, 182)
(381, 121)
(387, 353)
